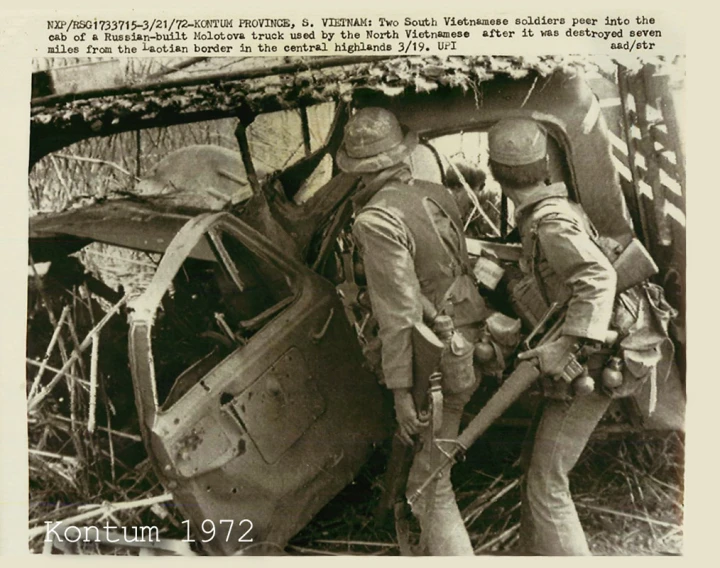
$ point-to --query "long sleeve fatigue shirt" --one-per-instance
(579, 270)
(388, 250)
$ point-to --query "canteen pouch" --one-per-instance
(503, 334)
(456, 365)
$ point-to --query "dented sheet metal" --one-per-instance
(263, 407)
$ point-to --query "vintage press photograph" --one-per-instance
(356, 305)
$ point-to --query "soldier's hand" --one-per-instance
(554, 356)
(408, 422)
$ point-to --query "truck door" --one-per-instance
(255, 406)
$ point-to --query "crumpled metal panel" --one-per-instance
(280, 406)
(204, 448)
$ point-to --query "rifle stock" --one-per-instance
(517, 383)
(427, 352)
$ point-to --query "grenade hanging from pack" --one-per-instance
(583, 385)
(484, 351)
(612, 376)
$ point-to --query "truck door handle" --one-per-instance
(316, 337)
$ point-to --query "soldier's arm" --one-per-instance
(394, 290)
(578, 261)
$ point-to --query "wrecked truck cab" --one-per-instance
(254, 399)
(276, 412)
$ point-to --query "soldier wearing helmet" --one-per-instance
(410, 236)
(569, 263)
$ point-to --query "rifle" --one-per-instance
(524, 375)
(427, 352)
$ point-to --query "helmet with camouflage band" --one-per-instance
(374, 140)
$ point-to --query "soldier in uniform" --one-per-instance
(570, 264)
(410, 236)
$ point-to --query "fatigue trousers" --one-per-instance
(443, 531)
(549, 524)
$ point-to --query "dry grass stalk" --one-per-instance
(76, 354)
(304, 550)
(93, 382)
(486, 500)
(48, 351)
(97, 161)
(133, 437)
(79, 365)
(642, 501)
(502, 537)
(68, 375)
(609, 511)
(74, 334)
(48, 308)
(111, 445)
(68, 459)
(357, 543)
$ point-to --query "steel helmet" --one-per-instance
(374, 140)
(517, 142)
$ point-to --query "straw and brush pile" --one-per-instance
(88, 466)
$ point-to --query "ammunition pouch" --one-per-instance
(527, 300)
(642, 317)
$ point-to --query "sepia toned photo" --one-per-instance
(374, 305)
